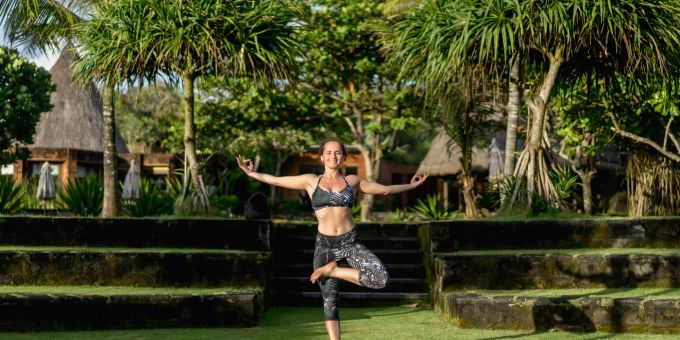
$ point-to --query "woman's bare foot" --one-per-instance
(323, 271)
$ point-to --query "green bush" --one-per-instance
(290, 205)
(223, 202)
(151, 202)
(10, 196)
(83, 196)
(432, 208)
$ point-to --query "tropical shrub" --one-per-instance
(10, 196)
(152, 201)
(83, 196)
(223, 202)
(566, 183)
(432, 208)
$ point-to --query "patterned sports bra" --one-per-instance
(322, 198)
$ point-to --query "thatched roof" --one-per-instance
(442, 160)
(76, 119)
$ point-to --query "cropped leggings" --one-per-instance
(372, 272)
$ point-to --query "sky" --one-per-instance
(45, 61)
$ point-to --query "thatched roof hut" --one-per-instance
(443, 158)
(76, 119)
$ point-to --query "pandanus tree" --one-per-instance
(634, 38)
(43, 26)
(185, 40)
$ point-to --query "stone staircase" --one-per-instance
(397, 245)
(612, 275)
(64, 273)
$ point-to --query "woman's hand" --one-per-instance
(417, 180)
(246, 165)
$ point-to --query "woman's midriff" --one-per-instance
(334, 221)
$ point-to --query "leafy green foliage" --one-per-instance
(151, 202)
(224, 202)
(432, 208)
(150, 116)
(83, 196)
(24, 95)
(566, 183)
(10, 196)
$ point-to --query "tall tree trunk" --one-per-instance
(277, 173)
(514, 98)
(471, 210)
(531, 163)
(586, 181)
(110, 204)
(372, 163)
(199, 198)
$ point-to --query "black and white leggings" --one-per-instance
(372, 272)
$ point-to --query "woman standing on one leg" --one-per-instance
(332, 199)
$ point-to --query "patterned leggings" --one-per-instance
(372, 272)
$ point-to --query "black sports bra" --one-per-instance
(322, 198)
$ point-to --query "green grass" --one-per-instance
(614, 293)
(74, 249)
(358, 323)
(573, 252)
(112, 290)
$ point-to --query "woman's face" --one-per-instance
(332, 155)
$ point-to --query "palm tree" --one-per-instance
(442, 38)
(42, 26)
(185, 40)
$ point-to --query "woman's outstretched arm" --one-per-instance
(374, 188)
(289, 182)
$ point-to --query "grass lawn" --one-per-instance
(394, 323)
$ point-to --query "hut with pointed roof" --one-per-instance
(70, 136)
(442, 163)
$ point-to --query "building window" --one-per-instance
(36, 166)
(7, 170)
(84, 170)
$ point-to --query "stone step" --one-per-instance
(585, 268)
(348, 299)
(302, 284)
(285, 229)
(136, 232)
(413, 271)
(449, 236)
(286, 242)
(132, 267)
(581, 310)
(38, 308)
(387, 256)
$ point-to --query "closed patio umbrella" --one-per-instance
(46, 189)
(131, 184)
(495, 162)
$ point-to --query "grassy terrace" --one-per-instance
(582, 251)
(115, 291)
(614, 293)
(118, 250)
(358, 323)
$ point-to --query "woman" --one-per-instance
(332, 199)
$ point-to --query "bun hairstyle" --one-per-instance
(323, 143)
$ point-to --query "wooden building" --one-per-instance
(70, 135)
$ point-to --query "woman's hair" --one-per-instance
(323, 143)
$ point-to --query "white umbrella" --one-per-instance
(495, 162)
(131, 184)
(46, 190)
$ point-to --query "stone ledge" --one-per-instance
(529, 271)
(449, 236)
(584, 314)
(136, 232)
(130, 267)
(24, 311)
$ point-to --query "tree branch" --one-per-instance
(641, 140)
